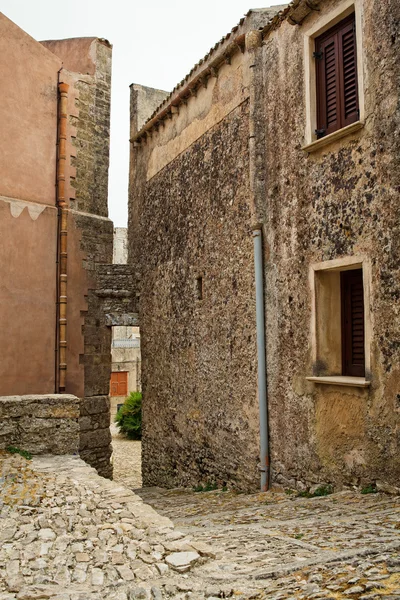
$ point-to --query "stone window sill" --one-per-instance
(332, 137)
(341, 380)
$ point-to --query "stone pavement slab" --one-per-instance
(272, 545)
(68, 534)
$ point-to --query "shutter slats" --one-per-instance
(337, 89)
(353, 336)
(349, 77)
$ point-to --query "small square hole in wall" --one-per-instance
(199, 288)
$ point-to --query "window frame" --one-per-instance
(339, 265)
(317, 26)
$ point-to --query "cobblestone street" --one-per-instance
(68, 534)
(127, 460)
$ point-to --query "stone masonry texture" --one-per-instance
(68, 534)
(92, 135)
(341, 201)
(44, 424)
(95, 231)
(198, 355)
(197, 187)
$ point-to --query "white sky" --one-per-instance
(155, 43)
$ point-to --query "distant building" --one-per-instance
(125, 344)
(120, 246)
(287, 132)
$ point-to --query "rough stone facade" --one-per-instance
(95, 437)
(190, 239)
(228, 151)
(339, 201)
(40, 424)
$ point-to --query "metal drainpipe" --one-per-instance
(63, 230)
(262, 379)
(253, 44)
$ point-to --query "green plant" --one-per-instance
(129, 416)
(323, 490)
(289, 492)
(209, 487)
(14, 450)
(298, 536)
(369, 489)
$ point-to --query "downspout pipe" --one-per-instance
(261, 353)
(257, 185)
(63, 239)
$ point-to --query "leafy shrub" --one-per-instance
(129, 416)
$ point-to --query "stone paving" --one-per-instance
(68, 534)
(127, 459)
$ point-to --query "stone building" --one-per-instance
(54, 228)
(287, 130)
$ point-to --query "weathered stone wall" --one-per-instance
(46, 424)
(95, 436)
(144, 101)
(93, 135)
(198, 354)
(190, 212)
(342, 200)
(115, 285)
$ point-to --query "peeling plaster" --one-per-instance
(17, 207)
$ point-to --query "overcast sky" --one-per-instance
(155, 43)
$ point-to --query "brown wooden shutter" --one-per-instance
(328, 91)
(336, 75)
(353, 336)
(348, 73)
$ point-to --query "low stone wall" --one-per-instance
(40, 424)
(95, 437)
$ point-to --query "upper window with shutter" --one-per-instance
(336, 76)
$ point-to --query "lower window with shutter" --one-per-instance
(353, 326)
(340, 324)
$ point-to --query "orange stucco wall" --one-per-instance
(30, 73)
(27, 299)
(28, 116)
(28, 216)
(77, 54)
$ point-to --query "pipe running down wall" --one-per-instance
(63, 239)
(262, 379)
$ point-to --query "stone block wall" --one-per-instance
(40, 424)
(95, 437)
(93, 134)
(116, 288)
